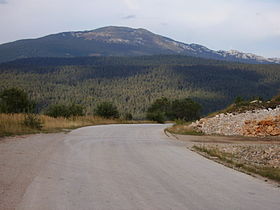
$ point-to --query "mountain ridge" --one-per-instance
(117, 41)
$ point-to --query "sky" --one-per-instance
(245, 25)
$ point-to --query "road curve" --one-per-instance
(131, 167)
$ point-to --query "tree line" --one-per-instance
(14, 100)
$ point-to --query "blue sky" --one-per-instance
(245, 25)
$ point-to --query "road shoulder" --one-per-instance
(21, 158)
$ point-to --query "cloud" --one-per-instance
(3, 2)
(129, 17)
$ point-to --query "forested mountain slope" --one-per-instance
(133, 83)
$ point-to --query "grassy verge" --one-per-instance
(183, 129)
(13, 124)
(229, 160)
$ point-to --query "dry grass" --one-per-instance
(12, 124)
(183, 129)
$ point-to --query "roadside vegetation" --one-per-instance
(17, 124)
(18, 115)
(230, 160)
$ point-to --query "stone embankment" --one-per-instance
(262, 122)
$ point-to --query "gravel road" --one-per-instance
(129, 167)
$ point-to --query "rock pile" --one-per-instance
(267, 127)
(262, 122)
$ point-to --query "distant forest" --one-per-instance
(134, 83)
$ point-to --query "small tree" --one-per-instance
(107, 110)
(159, 111)
(15, 100)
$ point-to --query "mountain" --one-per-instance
(116, 41)
(133, 83)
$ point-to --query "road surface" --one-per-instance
(131, 167)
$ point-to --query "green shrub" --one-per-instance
(107, 110)
(128, 116)
(32, 121)
(156, 116)
(76, 110)
(60, 110)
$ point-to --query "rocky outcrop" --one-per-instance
(262, 122)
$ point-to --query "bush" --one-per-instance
(60, 110)
(76, 110)
(32, 121)
(276, 98)
(15, 100)
(107, 110)
(128, 116)
(238, 100)
(156, 116)
(179, 109)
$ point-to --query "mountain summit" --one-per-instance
(116, 41)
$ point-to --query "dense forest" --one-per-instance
(134, 83)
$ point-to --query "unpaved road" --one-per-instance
(123, 167)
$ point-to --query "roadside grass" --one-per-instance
(230, 161)
(183, 129)
(13, 124)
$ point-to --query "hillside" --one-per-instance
(116, 41)
(133, 83)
